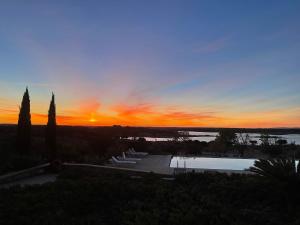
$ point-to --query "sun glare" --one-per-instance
(92, 120)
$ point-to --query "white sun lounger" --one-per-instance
(116, 161)
(133, 152)
(124, 157)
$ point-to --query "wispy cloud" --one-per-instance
(132, 110)
(159, 115)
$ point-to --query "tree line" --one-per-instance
(24, 127)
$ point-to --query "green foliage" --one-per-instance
(85, 196)
(24, 125)
(279, 169)
(15, 162)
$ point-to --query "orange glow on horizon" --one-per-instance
(158, 119)
(89, 114)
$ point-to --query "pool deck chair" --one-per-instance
(131, 151)
(116, 161)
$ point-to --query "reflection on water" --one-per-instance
(211, 163)
(153, 139)
(211, 136)
(202, 133)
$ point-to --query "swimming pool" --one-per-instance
(211, 163)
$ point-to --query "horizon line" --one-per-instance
(193, 127)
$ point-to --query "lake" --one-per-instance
(211, 136)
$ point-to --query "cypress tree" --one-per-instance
(24, 125)
(51, 130)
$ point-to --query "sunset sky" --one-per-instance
(152, 63)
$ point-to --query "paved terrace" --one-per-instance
(153, 163)
(161, 164)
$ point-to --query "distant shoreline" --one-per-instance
(271, 131)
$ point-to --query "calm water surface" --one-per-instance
(211, 163)
(211, 136)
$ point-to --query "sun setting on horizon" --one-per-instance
(151, 115)
(150, 112)
(92, 120)
(90, 113)
(178, 69)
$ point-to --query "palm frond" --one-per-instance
(281, 169)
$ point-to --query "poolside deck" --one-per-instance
(160, 164)
(155, 163)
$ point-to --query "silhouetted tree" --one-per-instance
(243, 138)
(281, 142)
(253, 142)
(265, 139)
(227, 137)
(51, 130)
(24, 125)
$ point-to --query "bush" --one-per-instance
(89, 196)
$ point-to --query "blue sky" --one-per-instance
(215, 63)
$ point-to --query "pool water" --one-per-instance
(211, 163)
